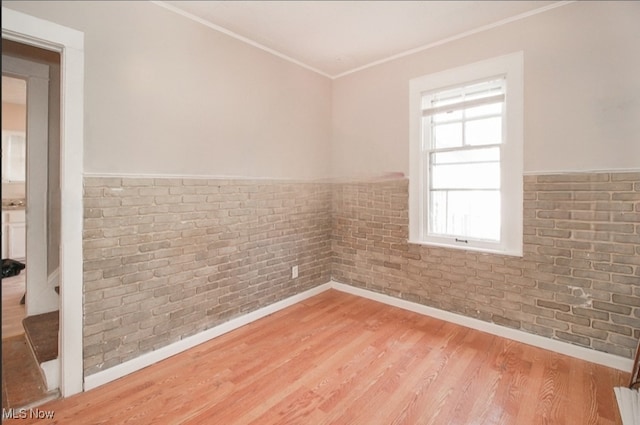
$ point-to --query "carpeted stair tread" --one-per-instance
(42, 332)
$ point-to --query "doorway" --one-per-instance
(33, 31)
(31, 152)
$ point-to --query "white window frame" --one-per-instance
(511, 162)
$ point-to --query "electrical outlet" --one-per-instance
(294, 272)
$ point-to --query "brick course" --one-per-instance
(578, 281)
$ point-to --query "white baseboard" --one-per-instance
(593, 356)
(51, 372)
(628, 404)
(147, 359)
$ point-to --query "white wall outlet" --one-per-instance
(294, 272)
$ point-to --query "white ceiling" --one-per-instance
(338, 37)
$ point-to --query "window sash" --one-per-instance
(452, 227)
(464, 118)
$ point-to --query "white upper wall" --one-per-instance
(582, 93)
(166, 95)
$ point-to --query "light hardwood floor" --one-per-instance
(339, 359)
(12, 311)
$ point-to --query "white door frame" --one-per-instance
(27, 29)
(40, 297)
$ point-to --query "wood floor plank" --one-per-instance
(553, 390)
(474, 390)
(340, 359)
(291, 363)
(435, 390)
(380, 361)
(514, 369)
(13, 312)
(576, 378)
(529, 406)
(604, 380)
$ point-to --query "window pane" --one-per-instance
(465, 214)
(483, 175)
(447, 135)
(14, 157)
(483, 132)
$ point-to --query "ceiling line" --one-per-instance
(457, 37)
(369, 65)
(238, 37)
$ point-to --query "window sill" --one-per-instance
(510, 253)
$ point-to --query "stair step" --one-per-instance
(41, 331)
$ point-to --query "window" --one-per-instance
(466, 157)
(14, 156)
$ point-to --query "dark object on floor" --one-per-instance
(11, 267)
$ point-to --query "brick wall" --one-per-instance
(578, 281)
(167, 258)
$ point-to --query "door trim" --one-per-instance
(37, 32)
(39, 297)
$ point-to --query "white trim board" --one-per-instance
(588, 171)
(582, 353)
(148, 359)
(378, 178)
(628, 404)
(202, 177)
(51, 371)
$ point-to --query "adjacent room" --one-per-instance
(343, 212)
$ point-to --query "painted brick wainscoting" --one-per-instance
(578, 281)
(168, 258)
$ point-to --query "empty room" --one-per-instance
(314, 212)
